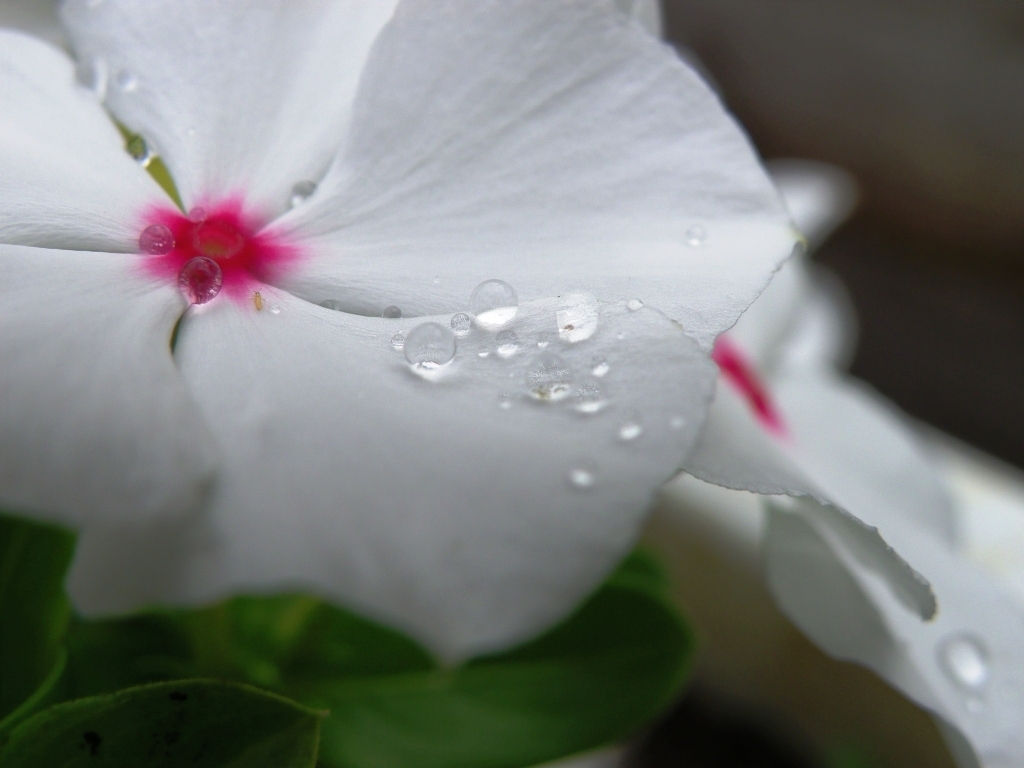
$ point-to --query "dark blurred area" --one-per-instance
(923, 100)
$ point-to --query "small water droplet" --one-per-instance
(542, 344)
(483, 353)
(398, 341)
(493, 303)
(508, 343)
(600, 368)
(620, 335)
(275, 310)
(91, 74)
(582, 477)
(634, 304)
(436, 280)
(301, 192)
(461, 323)
(590, 399)
(677, 422)
(197, 214)
(200, 279)
(549, 378)
(577, 318)
(140, 151)
(429, 346)
(156, 240)
(126, 82)
(391, 312)
(630, 431)
(505, 401)
(696, 235)
(965, 661)
(333, 304)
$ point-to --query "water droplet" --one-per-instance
(436, 280)
(630, 431)
(301, 192)
(197, 214)
(126, 82)
(590, 399)
(965, 661)
(620, 335)
(634, 304)
(696, 235)
(429, 346)
(334, 304)
(275, 310)
(508, 343)
(91, 74)
(483, 353)
(200, 279)
(398, 341)
(577, 319)
(549, 377)
(461, 323)
(140, 151)
(677, 422)
(600, 368)
(156, 240)
(218, 239)
(505, 401)
(582, 477)
(493, 303)
(542, 344)
(391, 312)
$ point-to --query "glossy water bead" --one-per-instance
(200, 279)
(156, 240)
(493, 303)
(429, 346)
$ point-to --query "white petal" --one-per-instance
(67, 180)
(818, 196)
(556, 146)
(426, 503)
(735, 452)
(235, 96)
(97, 425)
(966, 665)
(37, 17)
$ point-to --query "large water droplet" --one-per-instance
(965, 661)
(91, 74)
(493, 303)
(156, 240)
(200, 279)
(391, 312)
(461, 323)
(577, 318)
(600, 368)
(140, 151)
(508, 343)
(590, 399)
(582, 477)
(301, 192)
(126, 82)
(630, 431)
(333, 304)
(696, 235)
(429, 346)
(398, 341)
(549, 377)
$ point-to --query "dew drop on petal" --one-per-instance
(549, 378)
(197, 214)
(483, 353)
(391, 312)
(398, 341)
(493, 303)
(505, 401)
(200, 280)
(696, 235)
(964, 660)
(582, 477)
(461, 323)
(630, 431)
(156, 240)
(508, 343)
(600, 368)
(333, 304)
(577, 318)
(543, 344)
(126, 82)
(275, 310)
(590, 399)
(301, 192)
(91, 74)
(634, 304)
(140, 151)
(429, 346)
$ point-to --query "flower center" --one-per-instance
(216, 248)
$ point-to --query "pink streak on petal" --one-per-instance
(743, 376)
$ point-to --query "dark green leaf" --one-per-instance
(195, 723)
(33, 609)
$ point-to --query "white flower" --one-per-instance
(555, 146)
(804, 429)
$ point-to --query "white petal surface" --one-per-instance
(67, 180)
(97, 425)
(556, 146)
(236, 96)
(427, 504)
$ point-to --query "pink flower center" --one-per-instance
(743, 376)
(217, 248)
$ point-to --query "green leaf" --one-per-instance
(195, 723)
(33, 611)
